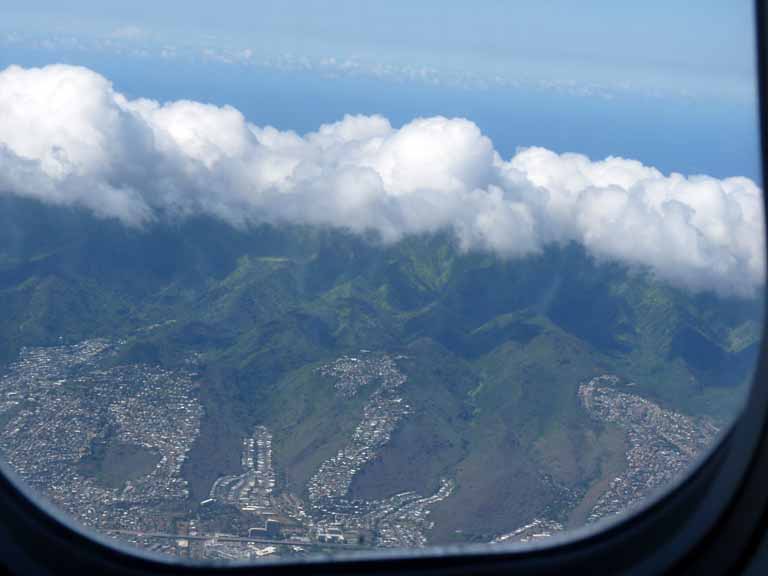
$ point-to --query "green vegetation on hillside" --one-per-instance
(494, 349)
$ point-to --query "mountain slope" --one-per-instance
(494, 350)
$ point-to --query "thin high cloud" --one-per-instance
(67, 138)
(128, 32)
(134, 42)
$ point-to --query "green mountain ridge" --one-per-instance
(494, 349)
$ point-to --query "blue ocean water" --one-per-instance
(674, 134)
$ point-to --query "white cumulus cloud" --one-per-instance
(67, 137)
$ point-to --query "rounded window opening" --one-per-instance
(303, 279)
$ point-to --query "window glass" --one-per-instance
(286, 278)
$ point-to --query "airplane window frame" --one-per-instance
(711, 521)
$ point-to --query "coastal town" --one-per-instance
(661, 446)
(58, 403)
(66, 410)
(330, 517)
(661, 443)
(106, 442)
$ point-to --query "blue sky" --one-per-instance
(656, 80)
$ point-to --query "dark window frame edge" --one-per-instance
(682, 531)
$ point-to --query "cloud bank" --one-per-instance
(68, 138)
